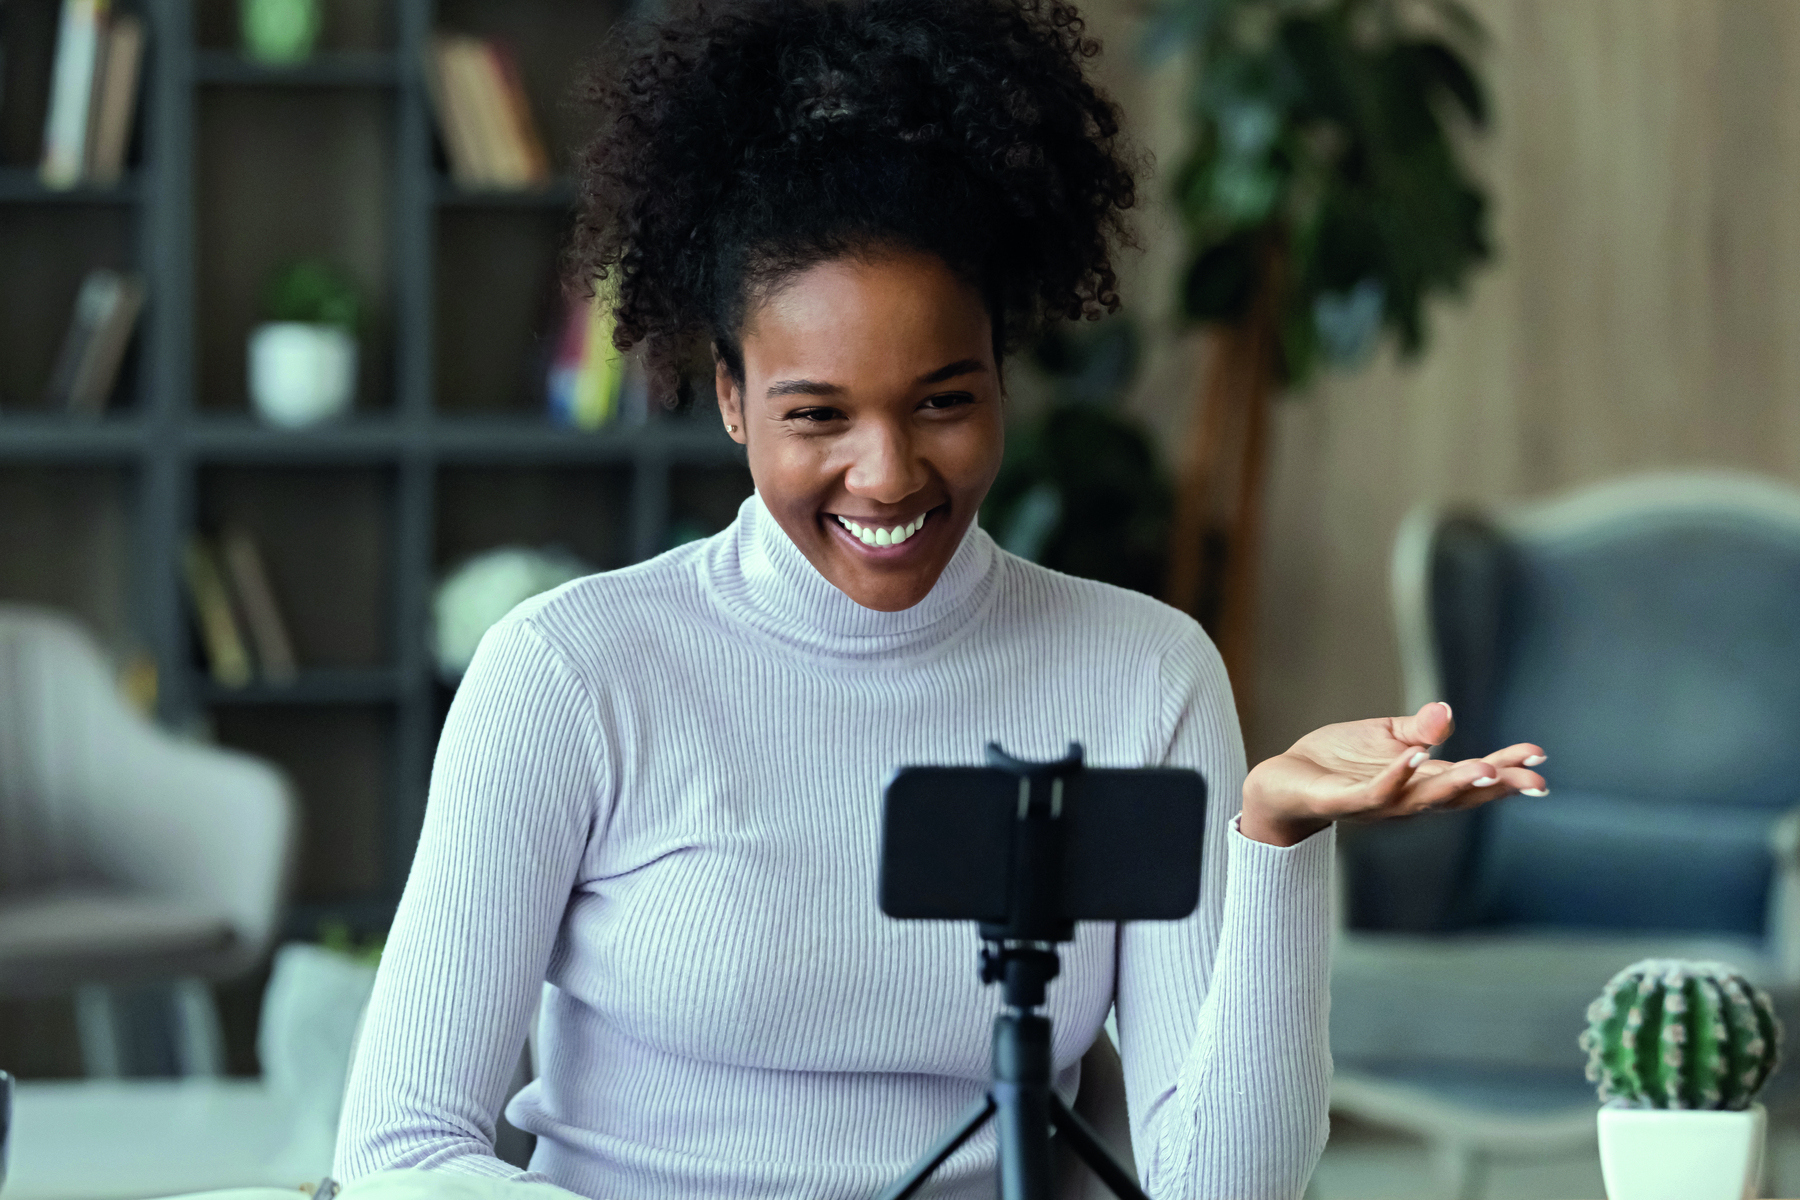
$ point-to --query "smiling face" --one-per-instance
(870, 411)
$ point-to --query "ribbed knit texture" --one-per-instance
(656, 806)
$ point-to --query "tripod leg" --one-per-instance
(1024, 1128)
(1091, 1150)
(934, 1158)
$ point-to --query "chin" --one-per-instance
(896, 575)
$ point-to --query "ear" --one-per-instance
(731, 398)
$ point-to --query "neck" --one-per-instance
(758, 575)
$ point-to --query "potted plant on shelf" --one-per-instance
(1680, 1050)
(303, 358)
(279, 32)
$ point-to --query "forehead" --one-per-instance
(868, 319)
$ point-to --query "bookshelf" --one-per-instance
(236, 167)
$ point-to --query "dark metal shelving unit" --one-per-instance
(557, 195)
(164, 438)
(21, 185)
(347, 68)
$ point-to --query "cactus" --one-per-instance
(1672, 1034)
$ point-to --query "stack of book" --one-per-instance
(240, 623)
(87, 368)
(93, 95)
(483, 116)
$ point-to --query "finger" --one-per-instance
(1506, 782)
(1525, 754)
(1427, 727)
(1450, 785)
(1387, 786)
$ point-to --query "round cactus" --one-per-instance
(1672, 1034)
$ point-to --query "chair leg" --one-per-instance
(199, 1039)
(97, 1029)
(1461, 1170)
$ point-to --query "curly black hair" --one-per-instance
(741, 142)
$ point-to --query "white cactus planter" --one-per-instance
(1681, 1154)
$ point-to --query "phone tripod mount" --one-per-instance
(1019, 953)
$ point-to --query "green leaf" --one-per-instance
(313, 291)
(1244, 190)
(1441, 65)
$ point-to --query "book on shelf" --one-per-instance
(255, 602)
(227, 657)
(526, 142)
(87, 367)
(93, 95)
(587, 372)
(456, 124)
(114, 103)
(79, 35)
(489, 133)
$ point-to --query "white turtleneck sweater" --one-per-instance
(658, 793)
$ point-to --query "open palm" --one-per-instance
(1377, 769)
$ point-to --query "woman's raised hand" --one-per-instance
(1375, 769)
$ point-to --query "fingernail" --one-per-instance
(1447, 711)
(1482, 782)
(1533, 761)
(1534, 791)
(1418, 758)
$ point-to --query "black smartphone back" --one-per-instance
(1131, 843)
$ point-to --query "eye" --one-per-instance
(813, 416)
(945, 400)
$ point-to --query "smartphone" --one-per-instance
(1131, 843)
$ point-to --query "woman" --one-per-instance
(658, 788)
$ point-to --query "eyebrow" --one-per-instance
(812, 387)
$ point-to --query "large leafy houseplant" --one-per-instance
(1323, 201)
(1081, 489)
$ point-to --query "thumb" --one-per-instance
(1427, 727)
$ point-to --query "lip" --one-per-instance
(880, 553)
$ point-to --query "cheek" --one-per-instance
(788, 471)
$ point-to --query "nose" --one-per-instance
(883, 466)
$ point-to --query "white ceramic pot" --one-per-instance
(301, 373)
(1664, 1154)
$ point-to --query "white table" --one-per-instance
(128, 1139)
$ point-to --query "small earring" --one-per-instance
(731, 429)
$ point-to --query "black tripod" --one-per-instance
(1020, 954)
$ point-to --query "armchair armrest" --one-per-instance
(211, 827)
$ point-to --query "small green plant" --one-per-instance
(1673, 1034)
(312, 291)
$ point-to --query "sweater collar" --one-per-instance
(758, 575)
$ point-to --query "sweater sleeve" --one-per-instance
(1222, 1017)
(514, 798)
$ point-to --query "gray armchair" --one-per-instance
(127, 856)
(1646, 632)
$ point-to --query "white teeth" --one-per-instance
(883, 537)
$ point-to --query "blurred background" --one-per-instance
(1460, 359)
